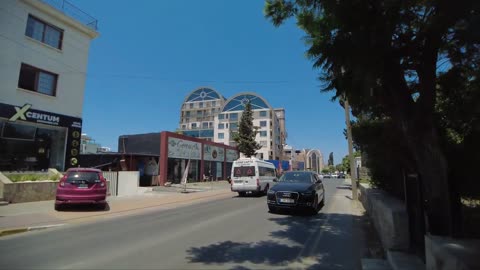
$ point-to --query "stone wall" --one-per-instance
(444, 253)
(389, 216)
(29, 191)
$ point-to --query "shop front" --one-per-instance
(183, 153)
(178, 156)
(206, 160)
(35, 140)
(231, 156)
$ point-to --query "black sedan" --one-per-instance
(297, 190)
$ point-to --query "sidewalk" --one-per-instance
(38, 215)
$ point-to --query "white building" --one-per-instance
(269, 122)
(198, 113)
(89, 146)
(43, 63)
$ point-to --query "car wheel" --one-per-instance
(102, 207)
(58, 207)
(322, 203)
(272, 209)
(242, 194)
(315, 207)
(265, 190)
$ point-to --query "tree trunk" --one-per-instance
(433, 169)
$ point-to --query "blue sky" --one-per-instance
(151, 54)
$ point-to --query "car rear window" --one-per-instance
(244, 171)
(85, 176)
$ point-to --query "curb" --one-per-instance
(6, 232)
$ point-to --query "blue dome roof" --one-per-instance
(203, 94)
(237, 103)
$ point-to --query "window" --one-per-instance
(244, 171)
(264, 171)
(221, 116)
(263, 113)
(263, 133)
(263, 123)
(221, 126)
(191, 105)
(44, 32)
(200, 104)
(221, 135)
(187, 114)
(37, 80)
(234, 116)
(205, 125)
(263, 143)
(214, 103)
(194, 125)
(184, 126)
(233, 125)
(199, 113)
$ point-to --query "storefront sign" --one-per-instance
(232, 155)
(178, 148)
(213, 153)
(25, 113)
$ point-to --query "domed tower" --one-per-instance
(198, 112)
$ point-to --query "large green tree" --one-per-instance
(245, 137)
(387, 59)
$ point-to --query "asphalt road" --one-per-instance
(233, 233)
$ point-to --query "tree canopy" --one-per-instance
(245, 137)
(409, 69)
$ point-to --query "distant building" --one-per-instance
(207, 115)
(198, 112)
(89, 146)
(44, 49)
(269, 123)
(307, 159)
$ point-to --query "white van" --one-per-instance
(252, 175)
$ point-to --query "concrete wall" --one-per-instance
(443, 253)
(389, 216)
(29, 191)
(20, 192)
(128, 183)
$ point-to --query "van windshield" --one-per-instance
(90, 177)
(244, 171)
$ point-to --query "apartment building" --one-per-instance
(44, 47)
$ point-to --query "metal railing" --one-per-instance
(74, 12)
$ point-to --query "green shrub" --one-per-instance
(31, 177)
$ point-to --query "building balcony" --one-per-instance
(73, 12)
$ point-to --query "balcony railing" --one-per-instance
(72, 11)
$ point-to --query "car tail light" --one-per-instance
(102, 184)
(62, 181)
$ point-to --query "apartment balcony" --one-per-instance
(73, 12)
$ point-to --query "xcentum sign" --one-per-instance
(23, 114)
(28, 114)
(73, 125)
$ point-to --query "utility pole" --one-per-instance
(350, 151)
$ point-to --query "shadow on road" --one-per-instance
(323, 241)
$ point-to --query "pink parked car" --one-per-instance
(82, 186)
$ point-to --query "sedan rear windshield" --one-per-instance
(244, 171)
(90, 177)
